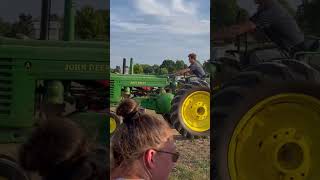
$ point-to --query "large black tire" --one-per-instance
(176, 118)
(239, 95)
(9, 169)
(226, 68)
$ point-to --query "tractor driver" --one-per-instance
(272, 20)
(194, 68)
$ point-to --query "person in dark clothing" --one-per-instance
(195, 67)
(58, 149)
(274, 21)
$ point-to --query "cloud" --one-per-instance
(152, 7)
(168, 16)
(152, 30)
(180, 6)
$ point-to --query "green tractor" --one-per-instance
(184, 103)
(266, 114)
(41, 78)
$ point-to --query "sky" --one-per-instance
(10, 9)
(150, 31)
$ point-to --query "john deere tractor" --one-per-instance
(184, 103)
(266, 114)
(41, 78)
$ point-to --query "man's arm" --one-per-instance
(233, 31)
(183, 71)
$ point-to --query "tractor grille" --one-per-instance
(111, 87)
(6, 67)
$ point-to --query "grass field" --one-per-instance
(194, 163)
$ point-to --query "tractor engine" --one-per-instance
(66, 97)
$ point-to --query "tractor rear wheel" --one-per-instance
(266, 123)
(190, 110)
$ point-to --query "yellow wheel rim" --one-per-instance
(195, 111)
(113, 125)
(275, 139)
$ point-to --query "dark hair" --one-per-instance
(139, 132)
(126, 107)
(52, 142)
(192, 56)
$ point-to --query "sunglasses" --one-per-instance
(174, 156)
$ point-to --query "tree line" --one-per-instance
(168, 66)
(226, 13)
(89, 24)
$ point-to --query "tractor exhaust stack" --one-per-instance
(69, 24)
(45, 17)
(131, 66)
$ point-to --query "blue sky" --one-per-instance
(152, 30)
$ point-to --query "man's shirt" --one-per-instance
(278, 25)
(197, 70)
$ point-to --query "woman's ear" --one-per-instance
(149, 158)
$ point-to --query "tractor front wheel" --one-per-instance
(190, 110)
(114, 122)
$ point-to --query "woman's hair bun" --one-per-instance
(127, 108)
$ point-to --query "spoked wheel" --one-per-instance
(114, 122)
(190, 112)
(9, 169)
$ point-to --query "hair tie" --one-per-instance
(131, 117)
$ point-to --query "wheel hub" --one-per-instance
(201, 111)
(275, 140)
(195, 111)
(290, 156)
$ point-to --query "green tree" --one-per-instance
(5, 27)
(156, 68)
(92, 24)
(163, 71)
(147, 69)
(86, 23)
(169, 65)
(308, 16)
(102, 24)
(180, 65)
(23, 26)
(224, 13)
(137, 69)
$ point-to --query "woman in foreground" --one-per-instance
(143, 146)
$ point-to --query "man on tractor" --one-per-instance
(195, 68)
(276, 23)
